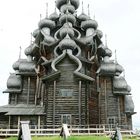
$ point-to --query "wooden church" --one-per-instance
(68, 76)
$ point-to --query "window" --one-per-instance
(111, 120)
(66, 118)
(65, 92)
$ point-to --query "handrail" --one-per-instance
(74, 130)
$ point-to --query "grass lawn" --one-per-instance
(72, 138)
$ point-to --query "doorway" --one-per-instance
(66, 119)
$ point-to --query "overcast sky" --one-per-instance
(119, 19)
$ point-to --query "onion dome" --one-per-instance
(89, 24)
(26, 66)
(67, 7)
(120, 85)
(128, 88)
(54, 16)
(108, 52)
(107, 68)
(16, 65)
(35, 33)
(67, 18)
(67, 43)
(14, 81)
(75, 3)
(129, 104)
(59, 3)
(49, 39)
(87, 40)
(104, 51)
(99, 33)
(66, 29)
(46, 23)
(29, 50)
(119, 69)
(83, 17)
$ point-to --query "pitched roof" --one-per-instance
(22, 109)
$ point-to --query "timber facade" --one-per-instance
(68, 76)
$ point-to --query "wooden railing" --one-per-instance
(73, 129)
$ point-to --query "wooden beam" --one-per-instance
(105, 84)
(86, 103)
(18, 122)
(16, 101)
(54, 91)
(99, 98)
(119, 114)
(42, 93)
(28, 92)
(9, 121)
(38, 121)
(80, 102)
(37, 84)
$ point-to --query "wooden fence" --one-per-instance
(74, 130)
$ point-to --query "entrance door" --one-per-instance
(66, 119)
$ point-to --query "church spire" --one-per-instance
(88, 11)
(20, 52)
(106, 40)
(94, 17)
(55, 6)
(47, 10)
(82, 7)
(40, 16)
(115, 56)
(31, 38)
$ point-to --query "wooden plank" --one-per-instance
(54, 92)
(79, 102)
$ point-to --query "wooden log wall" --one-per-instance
(93, 102)
(109, 103)
(14, 122)
(32, 90)
(28, 92)
(12, 98)
(67, 95)
(4, 120)
(22, 98)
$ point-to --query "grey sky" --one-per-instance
(119, 19)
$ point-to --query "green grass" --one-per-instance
(72, 138)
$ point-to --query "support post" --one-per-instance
(39, 122)
(99, 97)
(42, 93)
(16, 100)
(37, 84)
(54, 91)
(28, 93)
(80, 102)
(18, 122)
(119, 114)
(37, 81)
(9, 121)
(105, 100)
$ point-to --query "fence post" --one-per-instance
(103, 129)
